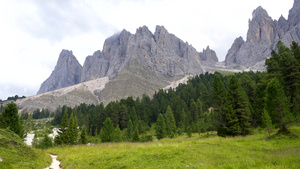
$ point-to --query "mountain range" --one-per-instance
(143, 62)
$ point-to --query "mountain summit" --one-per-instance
(161, 53)
(262, 37)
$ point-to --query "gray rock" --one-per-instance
(160, 52)
(262, 37)
(67, 72)
(208, 55)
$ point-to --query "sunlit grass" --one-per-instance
(200, 151)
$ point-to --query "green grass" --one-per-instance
(199, 151)
(16, 154)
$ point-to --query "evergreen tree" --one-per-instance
(135, 137)
(106, 132)
(240, 104)
(160, 128)
(9, 118)
(129, 131)
(189, 131)
(62, 137)
(117, 134)
(83, 136)
(219, 96)
(170, 122)
(277, 104)
(46, 142)
(266, 121)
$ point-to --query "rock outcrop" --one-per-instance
(67, 72)
(208, 55)
(262, 37)
(162, 53)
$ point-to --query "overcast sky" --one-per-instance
(33, 32)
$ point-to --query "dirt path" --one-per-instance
(55, 163)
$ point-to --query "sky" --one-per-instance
(33, 32)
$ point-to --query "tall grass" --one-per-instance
(200, 151)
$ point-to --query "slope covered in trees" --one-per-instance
(231, 105)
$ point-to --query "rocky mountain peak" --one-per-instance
(67, 72)
(209, 55)
(260, 13)
(294, 14)
(144, 31)
(261, 27)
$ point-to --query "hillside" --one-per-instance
(14, 153)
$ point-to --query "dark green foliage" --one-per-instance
(267, 122)
(46, 142)
(83, 136)
(237, 111)
(219, 97)
(10, 119)
(117, 134)
(160, 128)
(170, 122)
(135, 137)
(62, 137)
(189, 131)
(277, 104)
(129, 131)
(107, 130)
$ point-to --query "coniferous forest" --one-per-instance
(232, 105)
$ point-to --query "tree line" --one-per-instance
(232, 105)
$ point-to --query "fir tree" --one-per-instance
(106, 132)
(160, 128)
(219, 96)
(170, 122)
(238, 99)
(129, 131)
(62, 137)
(266, 121)
(9, 118)
(277, 104)
(83, 136)
(117, 134)
(135, 137)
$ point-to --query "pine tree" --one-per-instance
(117, 134)
(277, 104)
(160, 128)
(135, 137)
(62, 137)
(106, 132)
(9, 118)
(129, 131)
(170, 122)
(219, 96)
(266, 121)
(83, 136)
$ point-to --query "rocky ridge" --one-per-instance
(160, 52)
(262, 37)
(67, 72)
(132, 64)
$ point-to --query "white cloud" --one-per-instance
(34, 32)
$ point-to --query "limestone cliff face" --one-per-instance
(262, 37)
(67, 72)
(208, 55)
(160, 52)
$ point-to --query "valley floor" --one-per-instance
(200, 151)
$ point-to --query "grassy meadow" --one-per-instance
(14, 153)
(199, 151)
